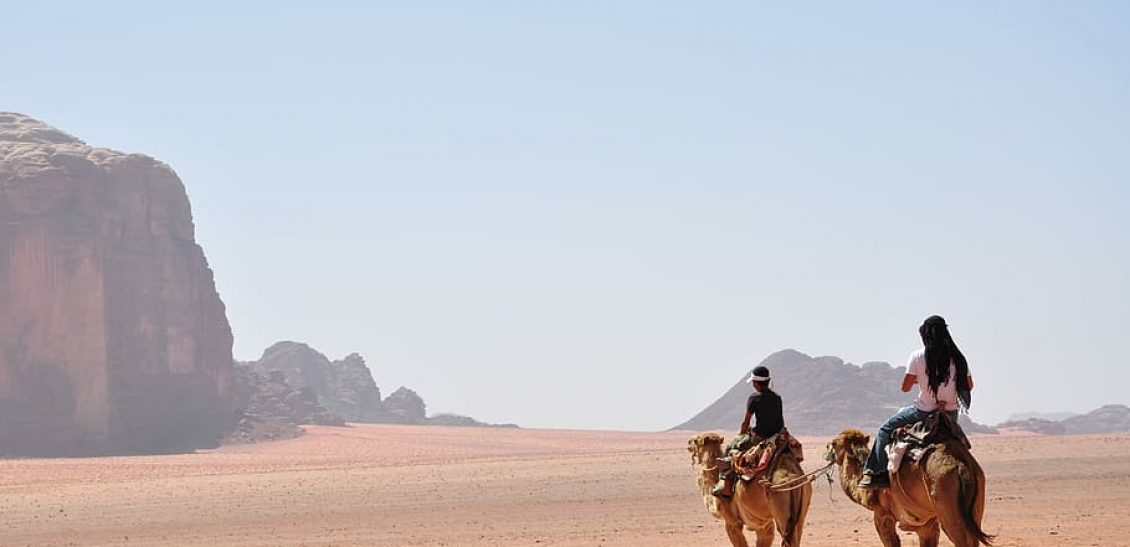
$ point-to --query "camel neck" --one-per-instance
(708, 475)
(851, 472)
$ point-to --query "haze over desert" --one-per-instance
(513, 273)
(416, 485)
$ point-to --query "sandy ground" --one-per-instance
(398, 485)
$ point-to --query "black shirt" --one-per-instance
(766, 407)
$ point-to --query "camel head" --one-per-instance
(704, 447)
(850, 442)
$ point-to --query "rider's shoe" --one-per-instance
(724, 464)
(722, 490)
(874, 481)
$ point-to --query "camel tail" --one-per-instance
(967, 495)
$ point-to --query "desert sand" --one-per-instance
(404, 485)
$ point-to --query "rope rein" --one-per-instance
(828, 476)
(801, 481)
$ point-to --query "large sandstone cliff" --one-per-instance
(112, 336)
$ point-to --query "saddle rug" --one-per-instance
(762, 456)
(916, 440)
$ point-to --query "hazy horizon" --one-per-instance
(601, 215)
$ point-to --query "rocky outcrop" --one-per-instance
(404, 406)
(345, 388)
(822, 395)
(356, 396)
(270, 409)
(112, 336)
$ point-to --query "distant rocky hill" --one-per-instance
(822, 396)
(1047, 416)
(112, 336)
(1105, 419)
(1035, 425)
(342, 389)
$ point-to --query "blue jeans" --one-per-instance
(877, 461)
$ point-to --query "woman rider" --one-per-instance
(942, 375)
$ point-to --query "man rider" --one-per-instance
(763, 404)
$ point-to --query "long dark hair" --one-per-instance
(940, 352)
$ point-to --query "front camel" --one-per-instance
(946, 488)
(754, 505)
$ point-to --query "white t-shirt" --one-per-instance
(928, 400)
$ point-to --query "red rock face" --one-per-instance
(112, 336)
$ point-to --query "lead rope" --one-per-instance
(801, 481)
(828, 476)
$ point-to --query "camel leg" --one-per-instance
(887, 527)
(765, 535)
(737, 537)
(928, 535)
(954, 527)
(952, 518)
(798, 501)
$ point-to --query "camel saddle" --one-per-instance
(916, 440)
(762, 457)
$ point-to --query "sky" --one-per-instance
(603, 214)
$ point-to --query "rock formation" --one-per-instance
(822, 396)
(344, 387)
(269, 408)
(112, 336)
(404, 406)
(356, 396)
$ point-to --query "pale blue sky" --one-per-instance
(601, 214)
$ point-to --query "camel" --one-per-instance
(753, 504)
(946, 487)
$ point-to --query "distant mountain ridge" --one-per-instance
(821, 395)
(1049, 416)
(1105, 419)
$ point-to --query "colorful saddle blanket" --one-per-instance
(761, 455)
